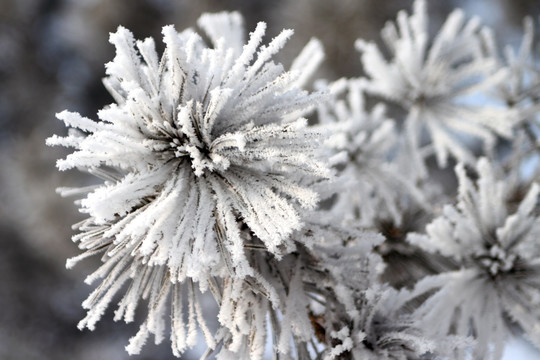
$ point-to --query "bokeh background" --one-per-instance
(52, 56)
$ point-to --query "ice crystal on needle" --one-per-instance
(200, 146)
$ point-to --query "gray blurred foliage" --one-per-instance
(51, 58)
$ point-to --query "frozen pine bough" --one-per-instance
(205, 158)
(431, 79)
(327, 241)
(494, 287)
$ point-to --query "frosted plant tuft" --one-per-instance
(497, 254)
(341, 233)
(432, 82)
(203, 151)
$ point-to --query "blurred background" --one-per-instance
(52, 56)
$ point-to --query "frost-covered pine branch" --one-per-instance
(369, 319)
(495, 286)
(347, 239)
(366, 141)
(434, 80)
(203, 151)
(521, 90)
